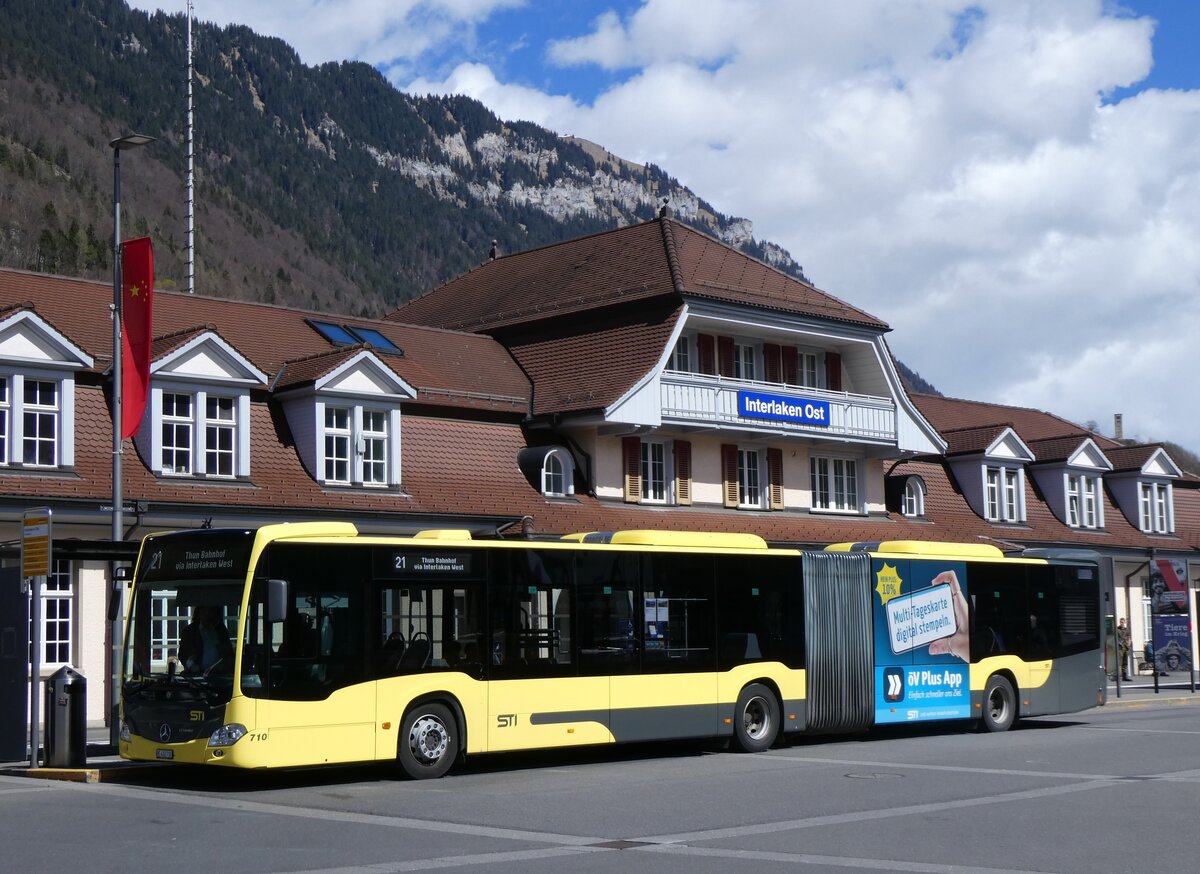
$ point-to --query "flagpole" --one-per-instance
(130, 141)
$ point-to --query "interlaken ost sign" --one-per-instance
(783, 408)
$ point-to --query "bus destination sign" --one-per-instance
(425, 564)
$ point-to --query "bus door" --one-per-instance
(314, 701)
(536, 695)
(1041, 635)
(675, 695)
(839, 643)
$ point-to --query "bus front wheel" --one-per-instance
(755, 719)
(428, 742)
(999, 704)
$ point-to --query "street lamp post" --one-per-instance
(129, 141)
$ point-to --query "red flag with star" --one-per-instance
(137, 293)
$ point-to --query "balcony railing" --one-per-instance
(695, 399)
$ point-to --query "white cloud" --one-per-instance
(947, 165)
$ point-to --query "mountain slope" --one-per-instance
(316, 186)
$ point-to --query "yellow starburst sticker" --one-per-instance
(887, 583)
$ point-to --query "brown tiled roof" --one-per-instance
(448, 368)
(310, 368)
(951, 414)
(968, 441)
(583, 367)
(1057, 448)
(164, 344)
(1125, 458)
(653, 259)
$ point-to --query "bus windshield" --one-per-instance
(184, 613)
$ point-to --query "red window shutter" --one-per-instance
(730, 474)
(772, 365)
(775, 478)
(725, 356)
(833, 371)
(706, 353)
(632, 449)
(683, 472)
(791, 365)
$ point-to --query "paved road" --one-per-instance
(1116, 789)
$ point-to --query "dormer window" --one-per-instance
(201, 432)
(1155, 508)
(1004, 494)
(37, 393)
(357, 448)
(198, 418)
(558, 475)
(912, 504)
(1083, 501)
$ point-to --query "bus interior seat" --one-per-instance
(416, 657)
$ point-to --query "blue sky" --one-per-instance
(1013, 185)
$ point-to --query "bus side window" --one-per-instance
(532, 614)
(679, 614)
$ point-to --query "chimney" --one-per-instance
(1118, 426)
(664, 212)
(492, 254)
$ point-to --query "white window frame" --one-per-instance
(369, 446)
(750, 478)
(1156, 507)
(834, 481)
(220, 436)
(808, 371)
(372, 447)
(681, 356)
(1084, 508)
(558, 474)
(182, 428)
(912, 503)
(58, 616)
(337, 438)
(206, 430)
(655, 481)
(14, 408)
(1003, 493)
(745, 361)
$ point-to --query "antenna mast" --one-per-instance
(191, 171)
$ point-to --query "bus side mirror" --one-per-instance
(277, 600)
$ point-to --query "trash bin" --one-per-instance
(66, 719)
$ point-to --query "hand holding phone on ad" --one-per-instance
(959, 643)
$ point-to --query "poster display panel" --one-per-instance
(922, 641)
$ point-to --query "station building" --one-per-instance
(645, 377)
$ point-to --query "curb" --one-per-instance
(95, 774)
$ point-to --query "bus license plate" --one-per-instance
(164, 754)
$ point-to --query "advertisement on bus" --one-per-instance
(922, 641)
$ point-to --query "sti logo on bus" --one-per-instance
(782, 408)
(506, 720)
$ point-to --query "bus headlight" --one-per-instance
(124, 734)
(227, 735)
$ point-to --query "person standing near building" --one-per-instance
(1124, 644)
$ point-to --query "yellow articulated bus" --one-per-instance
(304, 644)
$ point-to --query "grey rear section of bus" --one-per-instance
(839, 641)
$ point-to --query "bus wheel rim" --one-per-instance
(756, 718)
(428, 739)
(997, 705)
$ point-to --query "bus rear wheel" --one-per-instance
(755, 719)
(428, 743)
(999, 704)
